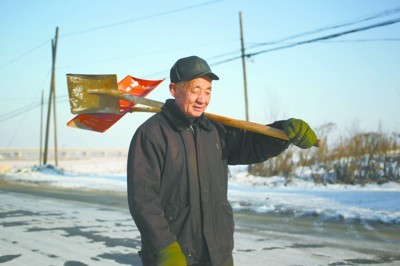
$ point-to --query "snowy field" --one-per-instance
(45, 231)
(262, 195)
(276, 224)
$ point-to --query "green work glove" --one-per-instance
(299, 133)
(171, 256)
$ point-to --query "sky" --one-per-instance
(352, 81)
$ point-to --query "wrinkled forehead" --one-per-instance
(202, 82)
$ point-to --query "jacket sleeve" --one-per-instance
(245, 147)
(145, 162)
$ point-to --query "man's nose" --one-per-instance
(202, 97)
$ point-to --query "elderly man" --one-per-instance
(178, 172)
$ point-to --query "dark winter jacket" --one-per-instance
(177, 182)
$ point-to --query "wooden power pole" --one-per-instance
(52, 99)
(41, 131)
(244, 68)
(53, 85)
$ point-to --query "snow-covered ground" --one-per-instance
(319, 225)
(262, 195)
(46, 231)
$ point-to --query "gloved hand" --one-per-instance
(171, 256)
(299, 133)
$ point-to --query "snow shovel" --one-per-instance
(97, 121)
(98, 94)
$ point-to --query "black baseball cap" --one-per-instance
(191, 67)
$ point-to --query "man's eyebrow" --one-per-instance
(195, 85)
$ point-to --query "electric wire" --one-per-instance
(365, 40)
(318, 39)
(141, 18)
(384, 13)
(348, 41)
(130, 57)
(109, 26)
(24, 54)
(387, 12)
(28, 108)
(364, 18)
(331, 36)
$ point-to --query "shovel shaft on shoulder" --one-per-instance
(249, 126)
(156, 106)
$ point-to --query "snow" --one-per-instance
(371, 202)
(46, 231)
(51, 231)
(245, 192)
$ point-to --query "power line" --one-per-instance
(366, 40)
(291, 43)
(129, 57)
(348, 41)
(19, 111)
(387, 12)
(111, 25)
(384, 13)
(27, 108)
(140, 18)
(327, 37)
(24, 54)
(331, 36)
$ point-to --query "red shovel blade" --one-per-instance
(100, 122)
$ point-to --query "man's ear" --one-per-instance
(172, 89)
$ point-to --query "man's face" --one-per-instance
(192, 97)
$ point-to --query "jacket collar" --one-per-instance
(180, 121)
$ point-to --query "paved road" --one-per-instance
(48, 227)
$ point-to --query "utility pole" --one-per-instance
(41, 131)
(51, 99)
(244, 67)
(53, 85)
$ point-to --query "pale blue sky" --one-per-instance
(355, 85)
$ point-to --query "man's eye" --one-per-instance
(195, 90)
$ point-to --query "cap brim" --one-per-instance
(208, 74)
(212, 76)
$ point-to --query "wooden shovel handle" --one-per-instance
(156, 106)
(249, 126)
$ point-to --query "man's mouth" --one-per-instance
(198, 108)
